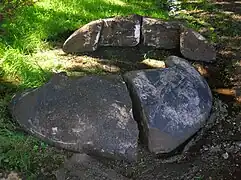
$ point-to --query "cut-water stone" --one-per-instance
(85, 39)
(121, 31)
(172, 103)
(160, 34)
(91, 114)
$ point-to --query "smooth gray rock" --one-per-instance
(84, 167)
(85, 39)
(91, 114)
(173, 103)
(160, 34)
(121, 31)
(194, 46)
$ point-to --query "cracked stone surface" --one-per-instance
(91, 114)
(133, 30)
(172, 103)
(121, 31)
(160, 34)
(84, 39)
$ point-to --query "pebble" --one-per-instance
(225, 155)
(205, 148)
(238, 144)
(215, 149)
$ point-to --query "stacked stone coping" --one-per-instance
(134, 30)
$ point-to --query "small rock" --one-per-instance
(13, 176)
(91, 114)
(215, 149)
(195, 47)
(121, 31)
(238, 144)
(154, 63)
(225, 155)
(205, 148)
(84, 39)
(160, 34)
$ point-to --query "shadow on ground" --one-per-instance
(224, 28)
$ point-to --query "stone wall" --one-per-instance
(133, 30)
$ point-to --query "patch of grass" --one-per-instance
(18, 151)
(27, 28)
(191, 11)
(216, 21)
(23, 69)
(33, 27)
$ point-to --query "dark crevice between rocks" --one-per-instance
(178, 48)
(137, 114)
(89, 150)
(141, 36)
(129, 58)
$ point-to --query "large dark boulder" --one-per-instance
(91, 114)
(194, 46)
(160, 34)
(85, 39)
(172, 103)
(121, 31)
(84, 167)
